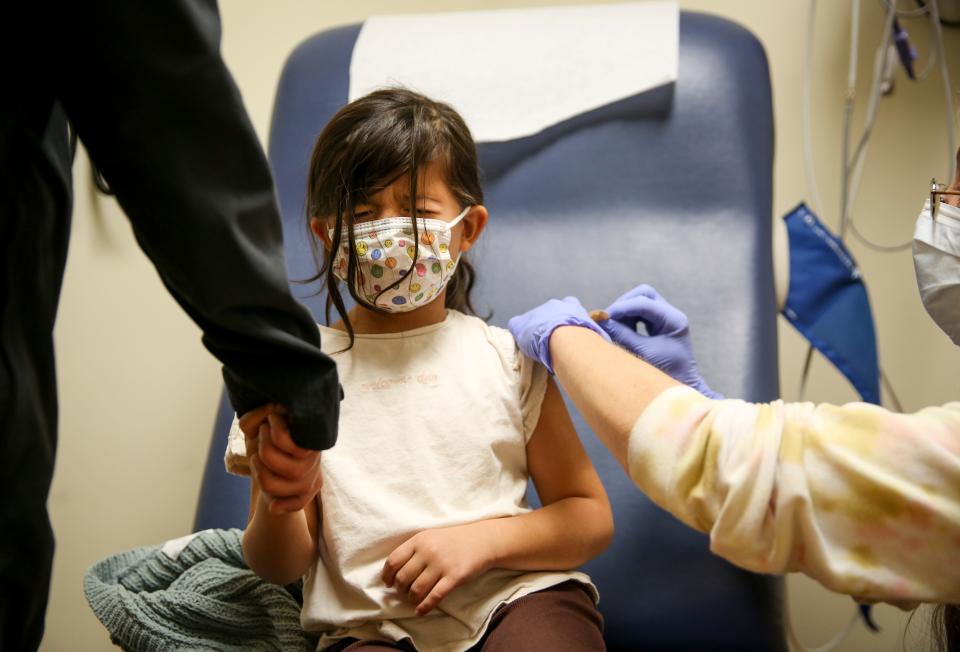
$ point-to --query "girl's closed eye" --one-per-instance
(366, 215)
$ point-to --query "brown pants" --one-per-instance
(562, 618)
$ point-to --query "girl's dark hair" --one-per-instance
(946, 627)
(365, 147)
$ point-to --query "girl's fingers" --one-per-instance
(284, 464)
(440, 590)
(290, 504)
(406, 576)
(277, 485)
(281, 462)
(250, 421)
(421, 586)
(395, 561)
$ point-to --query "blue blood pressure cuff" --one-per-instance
(827, 302)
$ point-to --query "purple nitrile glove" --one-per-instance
(532, 330)
(667, 344)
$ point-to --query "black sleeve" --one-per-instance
(146, 89)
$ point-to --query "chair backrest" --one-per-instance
(680, 200)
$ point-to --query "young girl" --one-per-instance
(421, 536)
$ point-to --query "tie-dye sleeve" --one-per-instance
(863, 500)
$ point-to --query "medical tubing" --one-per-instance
(889, 387)
(905, 13)
(927, 69)
(876, 90)
(854, 46)
(868, 124)
(938, 55)
(805, 374)
(853, 60)
(797, 646)
(851, 183)
(945, 76)
(883, 249)
(845, 157)
(933, 54)
(807, 118)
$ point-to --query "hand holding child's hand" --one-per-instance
(430, 564)
(250, 425)
(288, 476)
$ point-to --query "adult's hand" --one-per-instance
(532, 329)
(667, 343)
(288, 476)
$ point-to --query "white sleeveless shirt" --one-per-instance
(433, 433)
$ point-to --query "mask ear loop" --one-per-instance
(459, 218)
(449, 227)
(433, 241)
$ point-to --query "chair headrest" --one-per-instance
(513, 73)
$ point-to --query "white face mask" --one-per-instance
(936, 260)
(385, 251)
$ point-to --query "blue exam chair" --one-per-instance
(672, 188)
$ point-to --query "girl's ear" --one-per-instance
(319, 228)
(474, 222)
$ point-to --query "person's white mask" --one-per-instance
(385, 251)
(936, 260)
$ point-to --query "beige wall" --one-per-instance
(138, 391)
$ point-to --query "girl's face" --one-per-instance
(434, 201)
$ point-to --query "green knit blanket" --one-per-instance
(204, 598)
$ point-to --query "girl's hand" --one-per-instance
(430, 564)
(250, 425)
(288, 476)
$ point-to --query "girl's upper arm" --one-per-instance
(556, 460)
